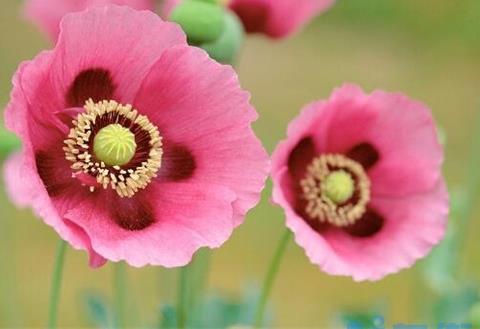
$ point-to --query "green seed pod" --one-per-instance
(114, 145)
(202, 21)
(225, 49)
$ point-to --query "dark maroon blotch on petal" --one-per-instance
(370, 224)
(55, 180)
(94, 83)
(132, 214)
(365, 154)
(253, 15)
(301, 205)
(178, 163)
(300, 157)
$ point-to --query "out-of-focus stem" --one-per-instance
(270, 278)
(119, 281)
(182, 300)
(56, 285)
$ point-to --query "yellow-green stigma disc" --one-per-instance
(339, 186)
(114, 145)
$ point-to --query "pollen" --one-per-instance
(114, 146)
(336, 190)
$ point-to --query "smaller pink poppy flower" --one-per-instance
(136, 146)
(359, 178)
(47, 14)
(275, 18)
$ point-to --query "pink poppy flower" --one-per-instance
(47, 14)
(275, 18)
(359, 178)
(136, 146)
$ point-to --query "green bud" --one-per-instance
(227, 46)
(202, 21)
(8, 142)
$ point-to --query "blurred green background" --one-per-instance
(428, 49)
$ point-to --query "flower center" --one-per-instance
(339, 186)
(337, 190)
(112, 146)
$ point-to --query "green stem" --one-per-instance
(182, 300)
(56, 285)
(270, 278)
(119, 287)
(198, 283)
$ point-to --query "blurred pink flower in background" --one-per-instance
(47, 14)
(275, 18)
(179, 174)
(359, 178)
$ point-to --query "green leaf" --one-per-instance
(216, 311)
(361, 320)
(439, 268)
(456, 305)
(168, 317)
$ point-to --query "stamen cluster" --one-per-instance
(125, 179)
(315, 190)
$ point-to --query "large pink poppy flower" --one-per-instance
(275, 18)
(359, 178)
(47, 14)
(137, 147)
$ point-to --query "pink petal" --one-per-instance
(413, 225)
(47, 14)
(309, 125)
(401, 130)
(407, 140)
(277, 18)
(112, 59)
(198, 103)
(28, 112)
(186, 217)
(20, 194)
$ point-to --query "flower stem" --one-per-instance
(198, 282)
(182, 300)
(119, 287)
(270, 278)
(56, 285)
